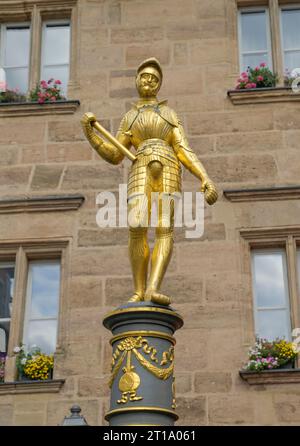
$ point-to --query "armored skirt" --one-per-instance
(156, 169)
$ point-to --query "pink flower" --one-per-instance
(256, 68)
(253, 85)
(260, 78)
(262, 64)
(44, 84)
(244, 74)
(53, 99)
(40, 100)
(57, 82)
(249, 85)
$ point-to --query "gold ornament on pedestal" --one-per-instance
(153, 129)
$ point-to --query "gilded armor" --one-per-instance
(153, 129)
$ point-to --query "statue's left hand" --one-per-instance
(210, 191)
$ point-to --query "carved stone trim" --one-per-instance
(269, 234)
(41, 204)
(262, 95)
(47, 386)
(17, 109)
(244, 3)
(263, 194)
(277, 376)
(21, 6)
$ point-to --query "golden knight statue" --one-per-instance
(157, 135)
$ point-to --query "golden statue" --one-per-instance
(157, 135)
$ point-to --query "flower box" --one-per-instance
(269, 355)
(16, 109)
(2, 366)
(258, 77)
(33, 364)
(45, 98)
(275, 376)
(262, 95)
(258, 85)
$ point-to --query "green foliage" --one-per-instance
(34, 364)
(266, 355)
(258, 77)
(289, 78)
(46, 92)
(11, 96)
(2, 365)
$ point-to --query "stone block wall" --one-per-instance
(241, 146)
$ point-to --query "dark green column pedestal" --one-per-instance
(142, 379)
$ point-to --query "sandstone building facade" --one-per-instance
(50, 177)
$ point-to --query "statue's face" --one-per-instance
(147, 84)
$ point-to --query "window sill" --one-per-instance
(34, 108)
(262, 95)
(46, 203)
(263, 194)
(18, 387)
(277, 376)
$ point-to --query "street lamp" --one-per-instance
(75, 419)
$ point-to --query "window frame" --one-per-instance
(3, 38)
(42, 51)
(36, 12)
(287, 306)
(6, 264)
(269, 51)
(282, 92)
(290, 6)
(21, 252)
(28, 300)
(287, 237)
(298, 265)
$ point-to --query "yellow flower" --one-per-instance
(38, 366)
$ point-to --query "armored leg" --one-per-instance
(138, 245)
(162, 253)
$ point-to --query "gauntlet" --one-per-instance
(210, 191)
(106, 150)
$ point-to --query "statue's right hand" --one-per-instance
(88, 118)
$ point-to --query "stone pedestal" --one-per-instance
(142, 378)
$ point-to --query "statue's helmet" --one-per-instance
(151, 65)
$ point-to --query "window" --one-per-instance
(7, 271)
(37, 42)
(298, 267)
(42, 303)
(15, 49)
(270, 260)
(290, 24)
(33, 297)
(270, 35)
(56, 52)
(254, 38)
(271, 295)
